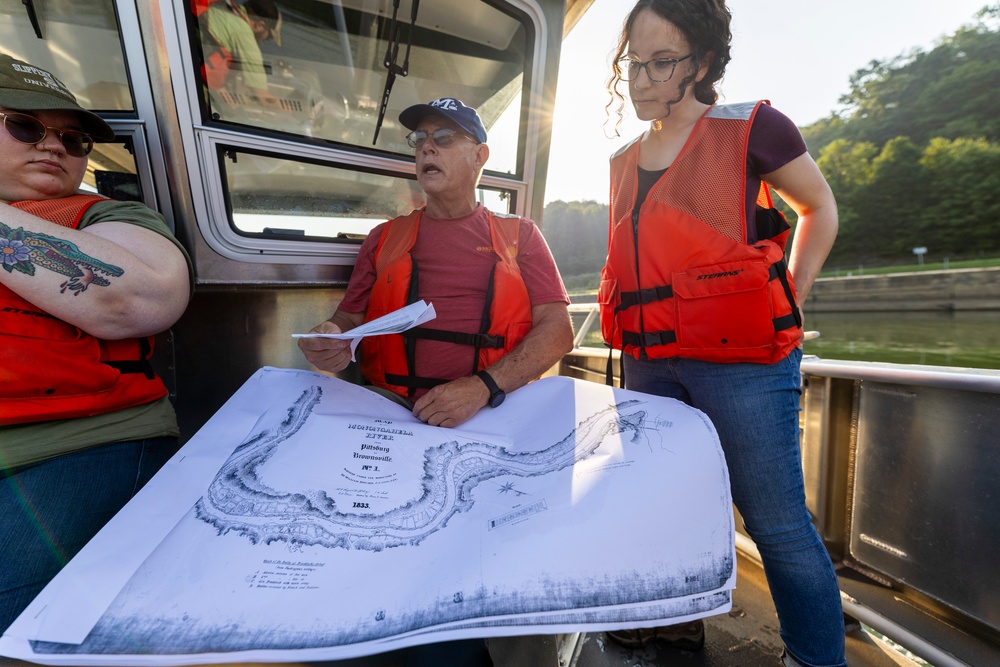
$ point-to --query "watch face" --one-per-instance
(497, 398)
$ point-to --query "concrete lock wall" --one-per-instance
(959, 289)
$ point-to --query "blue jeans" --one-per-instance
(755, 409)
(48, 511)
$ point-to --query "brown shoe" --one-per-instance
(688, 636)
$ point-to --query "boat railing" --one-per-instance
(902, 473)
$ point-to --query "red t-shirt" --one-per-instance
(454, 258)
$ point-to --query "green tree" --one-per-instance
(894, 201)
(577, 233)
(847, 167)
(963, 216)
(949, 91)
(822, 133)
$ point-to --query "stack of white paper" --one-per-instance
(312, 519)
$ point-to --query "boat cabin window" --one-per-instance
(77, 40)
(287, 132)
(278, 198)
(300, 144)
(80, 42)
(111, 170)
(338, 73)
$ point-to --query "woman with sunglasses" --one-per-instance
(697, 294)
(86, 282)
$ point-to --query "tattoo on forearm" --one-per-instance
(22, 251)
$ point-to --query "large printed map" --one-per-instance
(312, 519)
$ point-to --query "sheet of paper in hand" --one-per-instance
(397, 321)
(311, 519)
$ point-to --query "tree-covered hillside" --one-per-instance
(912, 155)
(577, 233)
(949, 91)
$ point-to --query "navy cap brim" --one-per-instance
(410, 117)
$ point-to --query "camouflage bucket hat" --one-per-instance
(28, 88)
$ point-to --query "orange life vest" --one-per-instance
(217, 58)
(50, 369)
(680, 279)
(389, 361)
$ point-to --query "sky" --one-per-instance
(799, 54)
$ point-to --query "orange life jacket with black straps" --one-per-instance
(217, 58)
(389, 361)
(50, 369)
(680, 279)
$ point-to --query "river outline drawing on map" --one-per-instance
(239, 501)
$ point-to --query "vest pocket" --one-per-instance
(724, 307)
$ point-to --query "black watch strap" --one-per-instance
(496, 393)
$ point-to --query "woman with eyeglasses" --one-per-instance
(86, 282)
(698, 295)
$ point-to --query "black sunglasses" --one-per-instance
(29, 130)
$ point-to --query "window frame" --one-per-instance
(209, 196)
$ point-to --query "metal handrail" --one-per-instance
(943, 377)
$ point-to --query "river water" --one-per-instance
(965, 339)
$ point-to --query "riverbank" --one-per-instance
(946, 290)
(938, 291)
(937, 318)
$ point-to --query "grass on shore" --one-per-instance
(913, 268)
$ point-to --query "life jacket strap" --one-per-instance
(140, 365)
(481, 340)
(413, 382)
(644, 296)
(787, 321)
(779, 271)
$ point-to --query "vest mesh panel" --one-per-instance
(65, 212)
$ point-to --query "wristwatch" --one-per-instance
(496, 393)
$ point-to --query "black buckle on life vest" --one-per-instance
(648, 339)
(644, 296)
(491, 342)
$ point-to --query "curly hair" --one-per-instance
(705, 25)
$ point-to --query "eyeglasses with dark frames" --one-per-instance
(443, 137)
(29, 130)
(659, 70)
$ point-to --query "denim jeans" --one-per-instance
(48, 511)
(755, 409)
